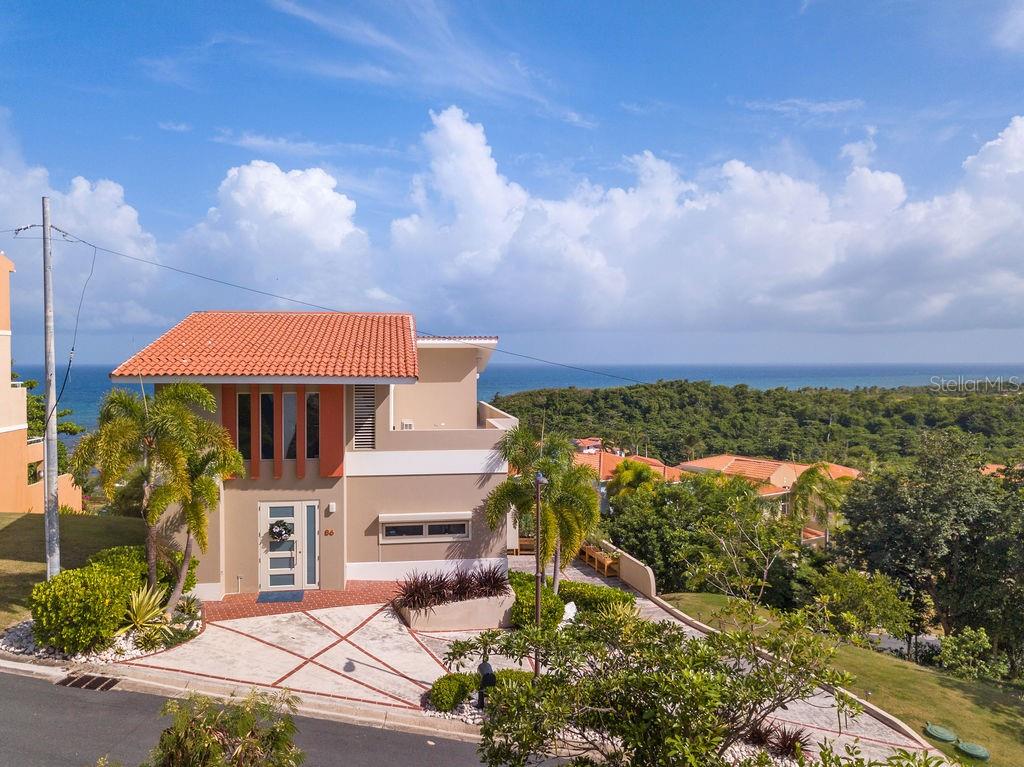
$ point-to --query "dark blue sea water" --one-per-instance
(88, 382)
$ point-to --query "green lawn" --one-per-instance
(977, 711)
(23, 560)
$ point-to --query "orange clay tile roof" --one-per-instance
(281, 344)
(760, 469)
(604, 464)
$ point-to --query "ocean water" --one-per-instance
(88, 383)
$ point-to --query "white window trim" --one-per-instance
(424, 519)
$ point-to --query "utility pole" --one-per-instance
(539, 481)
(51, 519)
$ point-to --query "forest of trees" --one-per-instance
(680, 420)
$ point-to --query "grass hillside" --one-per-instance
(977, 711)
(23, 556)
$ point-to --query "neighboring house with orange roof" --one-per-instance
(366, 439)
(21, 456)
(774, 479)
(589, 444)
(604, 464)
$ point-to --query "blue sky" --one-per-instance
(716, 182)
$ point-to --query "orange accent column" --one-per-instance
(300, 431)
(332, 430)
(278, 430)
(229, 411)
(254, 430)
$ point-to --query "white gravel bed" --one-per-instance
(19, 640)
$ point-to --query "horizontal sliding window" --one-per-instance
(245, 425)
(447, 528)
(412, 532)
(402, 531)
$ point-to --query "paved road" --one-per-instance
(46, 726)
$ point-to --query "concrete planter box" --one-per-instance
(481, 613)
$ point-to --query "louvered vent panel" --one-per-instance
(365, 414)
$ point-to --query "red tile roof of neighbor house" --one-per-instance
(604, 464)
(759, 469)
(583, 442)
(280, 344)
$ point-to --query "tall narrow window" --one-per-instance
(288, 423)
(245, 426)
(365, 417)
(266, 426)
(312, 425)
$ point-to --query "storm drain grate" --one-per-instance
(88, 682)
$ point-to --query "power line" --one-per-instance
(74, 339)
(72, 238)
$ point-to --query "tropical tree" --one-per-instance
(153, 436)
(629, 476)
(570, 511)
(570, 506)
(211, 458)
(816, 496)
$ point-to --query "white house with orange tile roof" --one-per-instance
(364, 437)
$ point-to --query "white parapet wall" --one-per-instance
(632, 571)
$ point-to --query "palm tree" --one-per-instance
(570, 511)
(817, 496)
(150, 435)
(570, 506)
(211, 458)
(629, 476)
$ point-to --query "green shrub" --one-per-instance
(513, 676)
(966, 654)
(592, 597)
(133, 559)
(452, 689)
(256, 730)
(522, 614)
(81, 609)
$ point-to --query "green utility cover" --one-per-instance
(939, 732)
(973, 750)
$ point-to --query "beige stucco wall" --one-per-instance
(241, 522)
(367, 497)
(444, 397)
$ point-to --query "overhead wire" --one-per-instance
(72, 238)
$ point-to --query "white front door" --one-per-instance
(291, 562)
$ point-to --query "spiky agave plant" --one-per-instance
(145, 611)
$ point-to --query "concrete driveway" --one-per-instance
(363, 654)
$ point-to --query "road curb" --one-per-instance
(38, 671)
(168, 684)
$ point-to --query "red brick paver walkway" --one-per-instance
(356, 593)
